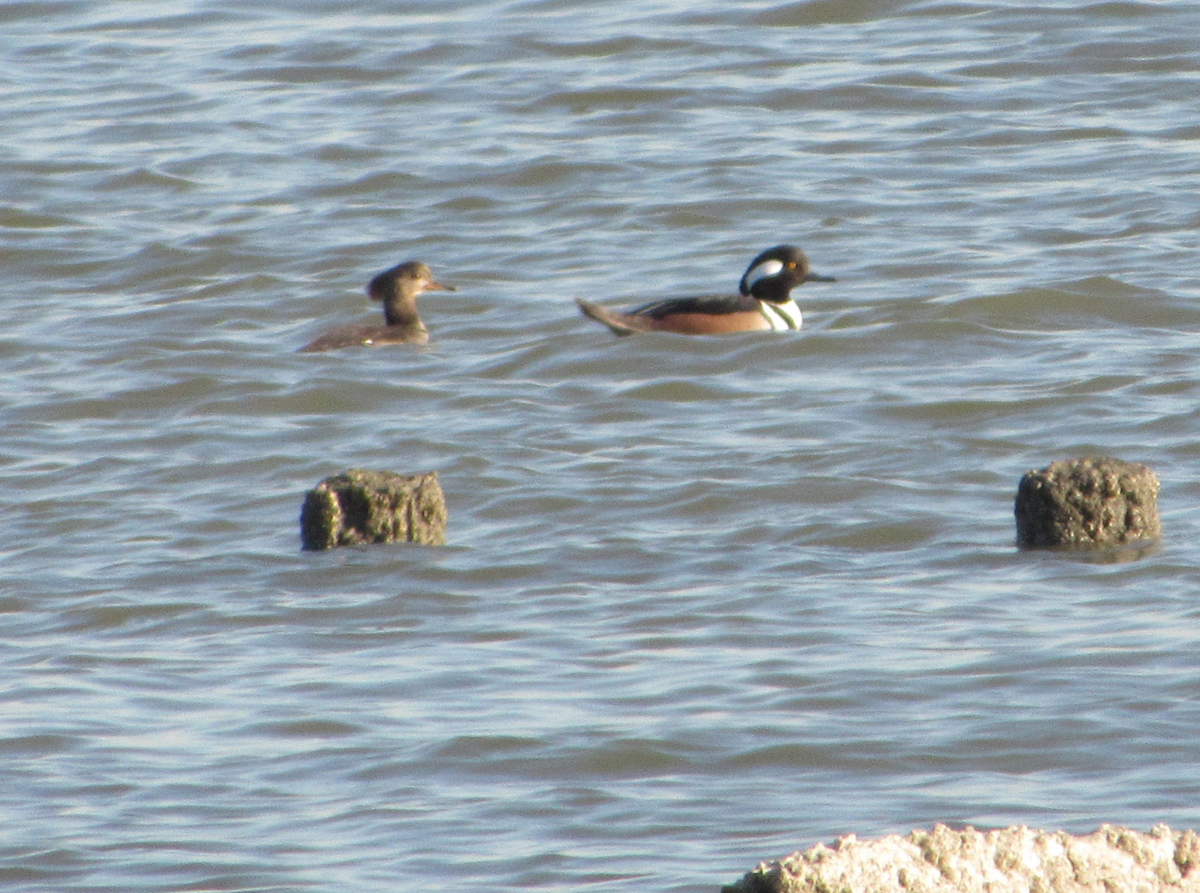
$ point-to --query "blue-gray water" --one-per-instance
(705, 600)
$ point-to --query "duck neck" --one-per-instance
(776, 290)
(400, 309)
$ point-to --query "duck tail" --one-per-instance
(619, 323)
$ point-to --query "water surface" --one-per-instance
(705, 601)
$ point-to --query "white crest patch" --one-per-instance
(764, 270)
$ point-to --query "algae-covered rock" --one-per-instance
(358, 507)
(1010, 860)
(1087, 503)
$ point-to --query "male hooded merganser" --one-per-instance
(397, 288)
(764, 302)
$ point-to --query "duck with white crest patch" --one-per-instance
(763, 303)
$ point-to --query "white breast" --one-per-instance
(782, 317)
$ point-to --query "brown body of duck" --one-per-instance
(397, 289)
(763, 303)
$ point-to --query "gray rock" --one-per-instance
(1010, 860)
(1087, 503)
(358, 507)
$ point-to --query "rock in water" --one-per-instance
(1087, 503)
(358, 507)
(1011, 860)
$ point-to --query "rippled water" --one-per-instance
(705, 600)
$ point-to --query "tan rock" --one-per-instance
(1011, 860)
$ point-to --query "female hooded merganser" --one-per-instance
(397, 288)
(763, 304)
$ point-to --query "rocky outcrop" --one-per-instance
(358, 507)
(1087, 503)
(1012, 860)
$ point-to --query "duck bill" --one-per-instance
(817, 277)
(437, 286)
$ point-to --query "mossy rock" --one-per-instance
(359, 507)
(1087, 504)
